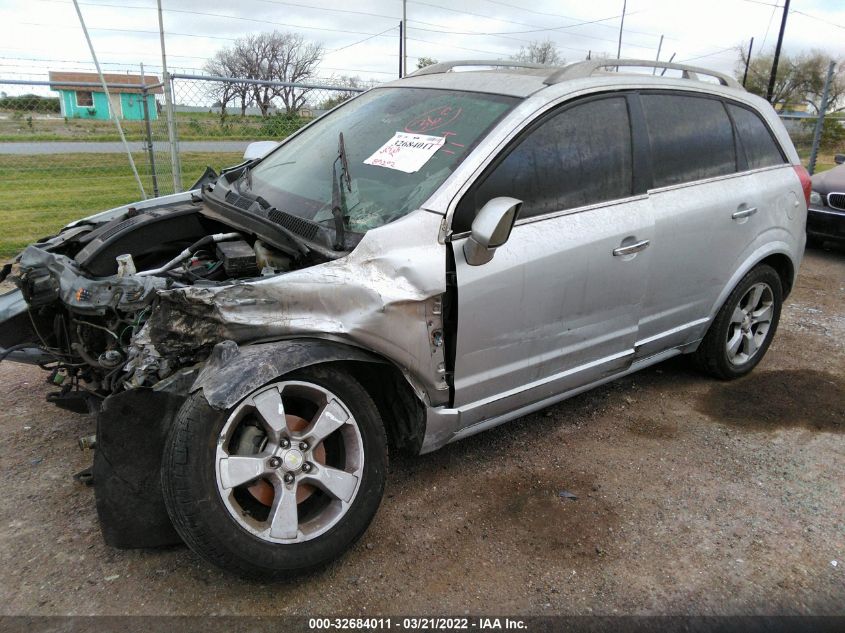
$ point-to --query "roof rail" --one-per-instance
(587, 68)
(444, 67)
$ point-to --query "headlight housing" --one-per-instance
(815, 197)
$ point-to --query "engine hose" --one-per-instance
(208, 239)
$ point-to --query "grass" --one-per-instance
(191, 126)
(824, 160)
(40, 194)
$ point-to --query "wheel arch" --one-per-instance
(783, 267)
(232, 372)
(773, 254)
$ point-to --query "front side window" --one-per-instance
(577, 157)
(691, 138)
(84, 98)
(757, 142)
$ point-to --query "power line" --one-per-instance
(769, 26)
(366, 39)
(12, 62)
(557, 45)
(28, 49)
(823, 20)
(463, 48)
(719, 52)
(760, 2)
(72, 28)
(535, 28)
(194, 12)
(504, 34)
(569, 17)
(215, 15)
(370, 35)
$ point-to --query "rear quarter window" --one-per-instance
(691, 138)
(756, 140)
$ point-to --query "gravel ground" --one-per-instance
(694, 497)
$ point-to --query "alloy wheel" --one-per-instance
(289, 462)
(750, 323)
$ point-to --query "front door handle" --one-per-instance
(636, 247)
(744, 213)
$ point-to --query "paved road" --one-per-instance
(87, 147)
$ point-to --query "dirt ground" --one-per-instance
(694, 497)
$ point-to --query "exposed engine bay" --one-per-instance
(91, 289)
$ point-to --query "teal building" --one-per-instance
(127, 101)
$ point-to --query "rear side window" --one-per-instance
(760, 148)
(691, 138)
(578, 157)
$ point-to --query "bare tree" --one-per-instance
(422, 62)
(225, 63)
(540, 53)
(799, 80)
(276, 56)
(353, 86)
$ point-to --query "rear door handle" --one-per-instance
(744, 213)
(636, 247)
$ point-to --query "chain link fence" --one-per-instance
(801, 128)
(61, 157)
(217, 117)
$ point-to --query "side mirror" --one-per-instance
(259, 149)
(490, 229)
(839, 159)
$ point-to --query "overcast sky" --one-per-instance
(361, 38)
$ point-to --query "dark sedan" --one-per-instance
(826, 213)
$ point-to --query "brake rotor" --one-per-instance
(264, 492)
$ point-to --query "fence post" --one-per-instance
(817, 134)
(149, 130)
(171, 132)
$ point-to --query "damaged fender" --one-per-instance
(231, 372)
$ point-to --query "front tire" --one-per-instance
(744, 327)
(282, 483)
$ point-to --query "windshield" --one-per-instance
(410, 138)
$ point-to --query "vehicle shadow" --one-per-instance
(834, 250)
(763, 401)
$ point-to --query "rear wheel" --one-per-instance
(743, 328)
(285, 481)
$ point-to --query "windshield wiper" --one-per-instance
(341, 184)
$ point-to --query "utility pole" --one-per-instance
(176, 170)
(401, 48)
(773, 76)
(621, 25)
(657, 59)
(670, 61)
(747, 62)
(404, 38)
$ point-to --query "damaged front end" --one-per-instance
(131, 313)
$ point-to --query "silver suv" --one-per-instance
(438, 256)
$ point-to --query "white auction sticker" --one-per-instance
(406, 152)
